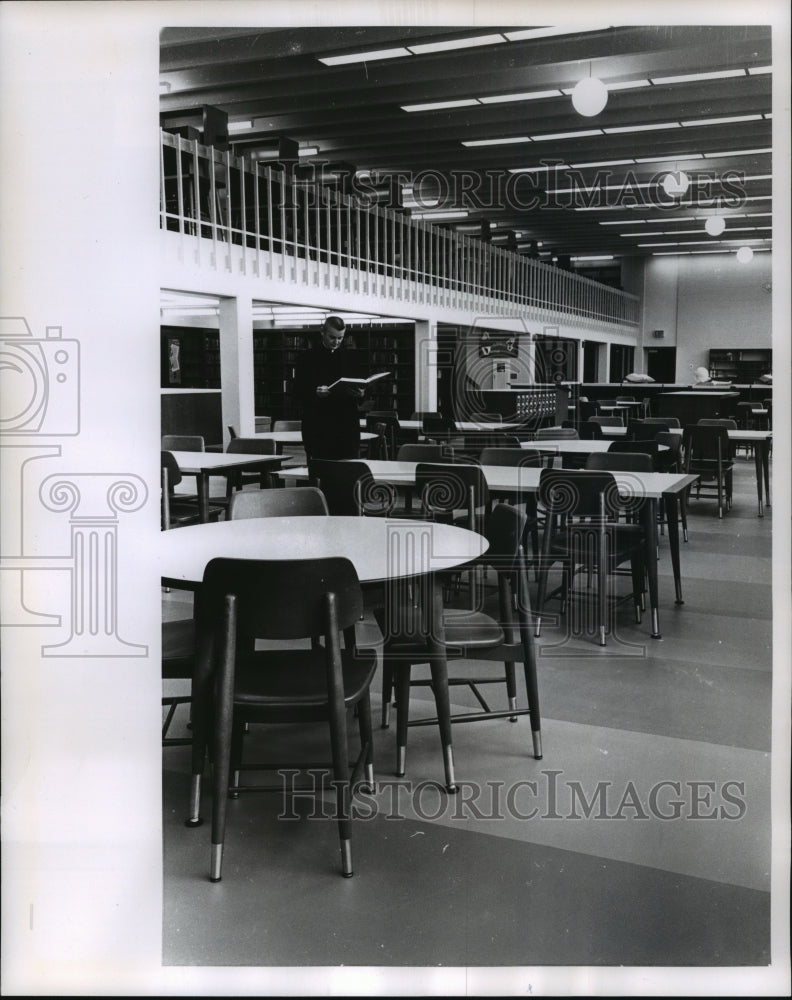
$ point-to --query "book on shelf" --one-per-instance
(359, 381)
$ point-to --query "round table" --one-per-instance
(379, 548)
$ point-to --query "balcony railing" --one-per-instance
(314, 235)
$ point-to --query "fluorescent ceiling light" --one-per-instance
(456, 43)
(768, 116)
(536, 170)
(567, 135)
(668, 159)
(732, 120)
(690, 77)
(642, 234)
(239, 126)
(625, 222)
(496, 142)
(627, 84)
(461, 214)
(356, 57)
(618, 129)
(738, 152)
(440, 105)
(657, 244)
(534, 95)
(601, 163)
(308, 151)
(604, 256)
(526, 33)
(756, 70)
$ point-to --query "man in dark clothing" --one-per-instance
(330, 417)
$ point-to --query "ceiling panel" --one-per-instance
(273, 80)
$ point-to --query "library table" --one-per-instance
(760, 438)
(382, 550)
(203, 464)
(519, 481)
(295, 437)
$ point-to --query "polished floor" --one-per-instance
(642, 838)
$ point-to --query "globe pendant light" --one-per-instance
(744, 255)
(676, 183)
(589, 97)
(715, 225)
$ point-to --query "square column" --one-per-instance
(236, 365)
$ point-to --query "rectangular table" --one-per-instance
(203, 464)
(651, 486)
(761, 438)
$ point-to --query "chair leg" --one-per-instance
(338, 742)
(511, 688)
(366, 740)
(402, 716)
(387, 693)
(224, 718)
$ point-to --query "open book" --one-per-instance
(358, 381)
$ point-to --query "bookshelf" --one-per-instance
(189, 358)
(372, 349)
(740, 364)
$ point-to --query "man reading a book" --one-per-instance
(330, 415)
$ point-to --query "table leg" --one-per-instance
(203, 497)
(438, 665)
(766, 467)
(672, 502)
(758, 452)
(650, 519)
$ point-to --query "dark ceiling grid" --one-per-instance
(353, 112)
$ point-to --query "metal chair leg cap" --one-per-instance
(193, 822)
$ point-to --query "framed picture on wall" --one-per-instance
(174, 361)
(498, 344)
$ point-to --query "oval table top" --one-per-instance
(379, 548)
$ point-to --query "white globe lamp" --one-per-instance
(675, 183)
(589, 97)
(744, 255)
(715, 225)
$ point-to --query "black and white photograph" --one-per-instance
(446, 650)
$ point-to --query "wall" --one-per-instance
(706, 301)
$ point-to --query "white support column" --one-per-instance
(236, 365)
(604, 363)
(426, 366)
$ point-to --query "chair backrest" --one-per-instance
(579, 493)
(626, 399)
(170, 468)
(607, 421)
(478, 442)
(287, 425)
(646, 447)
(424, 453)
(505, 530)
(252, 446)
(232, 432)
(289, 502)
(727, 422)
(386, 425)
(661, 423)
(446, 488)
(350, 489)
(436, 423)
(183, 442)
(624, 461)
(706, 443)
(671, 441)
(279, 599)
(513, 457)
(590, 430)
(550, 433)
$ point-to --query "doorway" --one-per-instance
(591, 352)
(661, 363)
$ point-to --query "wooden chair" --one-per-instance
(287, 425)
(471, 635)
(250, 446)
(183, 442)
(245, 600)
(176, 509)
(708, 455)
(288, 502)
(583, 530)
(350, 489)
